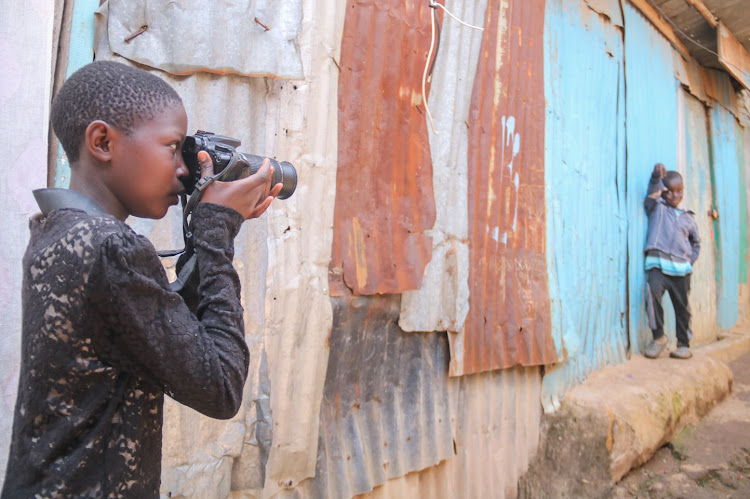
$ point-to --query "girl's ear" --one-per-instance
(98, 140)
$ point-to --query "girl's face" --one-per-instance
(147, 164)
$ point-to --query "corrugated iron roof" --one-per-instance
(697, 34)
(384, 193)
(508, 321)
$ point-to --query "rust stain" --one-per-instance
(509, 317)
(611, 431)
(384, 195)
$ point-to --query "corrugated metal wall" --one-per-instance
(385, 410)
(508, 319)
(282, 260)
(495, 418)
(585, 184)
(384, 196)
(25, 89)
(725, 169)
(442, 302)
(520, 253)
(698, 196)
(651, 101)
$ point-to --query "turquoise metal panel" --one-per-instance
(80, 53)
(725, 169)
(651, 102)
(585, 193)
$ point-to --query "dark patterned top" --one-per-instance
(103, 339)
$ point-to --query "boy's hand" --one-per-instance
(250, 196)
(660, 171)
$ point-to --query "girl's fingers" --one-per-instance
(207, 166)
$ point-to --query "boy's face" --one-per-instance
(147, 165)
(673, 195)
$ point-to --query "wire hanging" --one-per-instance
(435, 45)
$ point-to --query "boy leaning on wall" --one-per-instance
(672, 247)
(104, 337)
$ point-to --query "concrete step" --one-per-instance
(620, 416)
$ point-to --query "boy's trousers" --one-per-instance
(678, 288)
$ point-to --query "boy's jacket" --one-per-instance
(669, 231)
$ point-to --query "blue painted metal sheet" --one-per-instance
(725, 169)
(651, 102)
(80, 53)
(585, 194)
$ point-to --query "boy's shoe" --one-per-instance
(681, 353)
(655, 347)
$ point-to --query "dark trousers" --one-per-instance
(678, 288)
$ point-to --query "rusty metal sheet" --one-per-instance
(508, 322)
(496, 419)
(384, 192)
(719, 87)
(386, 409)
(691, 74)
(442, 302)
(733, 56)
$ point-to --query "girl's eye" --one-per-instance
(173, 146)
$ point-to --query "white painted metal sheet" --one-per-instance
(696, 170)
(25, 59)
(246, 37)
(301, 127)
(441, 304)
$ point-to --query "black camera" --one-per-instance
(223, 153)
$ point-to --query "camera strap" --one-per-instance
(187, 271)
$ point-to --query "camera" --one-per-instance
(222, 151)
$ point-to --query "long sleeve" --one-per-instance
(695, 243)
(655, 184)
(147, 330)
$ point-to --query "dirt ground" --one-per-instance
(707, 460)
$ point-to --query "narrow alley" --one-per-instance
(707, 460)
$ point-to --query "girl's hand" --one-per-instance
(250, 196)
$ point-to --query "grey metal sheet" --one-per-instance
(385, 410)
(246, 37)
(496, 419)
(442, 302)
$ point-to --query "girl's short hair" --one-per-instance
(119, 95)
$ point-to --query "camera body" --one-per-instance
(222, 150)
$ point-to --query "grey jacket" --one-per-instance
(669, 232)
